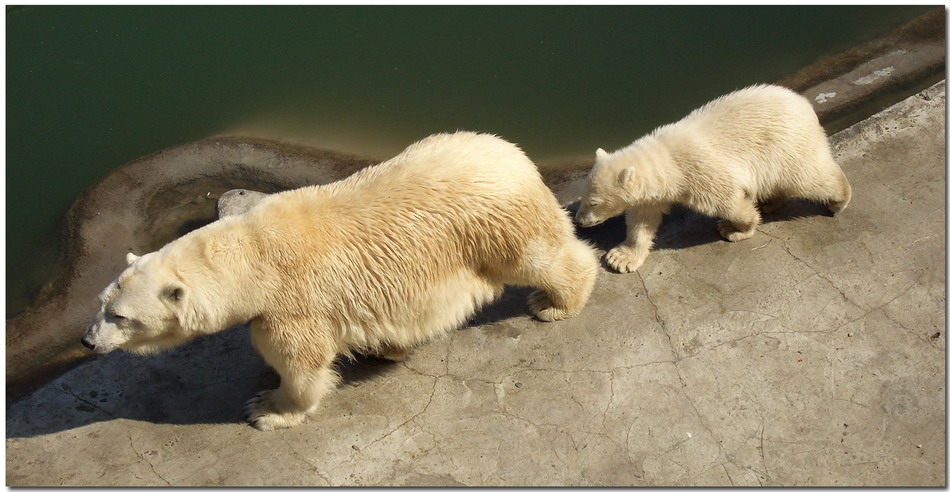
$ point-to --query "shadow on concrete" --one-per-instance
(512, 303)
(795, 209)
(206, 381)
(682, 228)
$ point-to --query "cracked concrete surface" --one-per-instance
(811, 354)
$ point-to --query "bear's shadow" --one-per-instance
(206, 381)
(683, 228)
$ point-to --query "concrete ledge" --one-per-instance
(851, 86)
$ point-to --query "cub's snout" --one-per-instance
(586, 217)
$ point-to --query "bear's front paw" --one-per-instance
(542, 307)
(733, 234)
(261, 412)
(625, 259)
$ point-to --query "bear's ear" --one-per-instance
(600, 154)
(626, 177)
(174, 292)
(130, 257)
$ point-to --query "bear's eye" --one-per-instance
(593, 203)
(115, 316)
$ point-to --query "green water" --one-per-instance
(92, 87)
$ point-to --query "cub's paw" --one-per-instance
(261, 413)
(625, 259)
(540, 304)
(730, 233)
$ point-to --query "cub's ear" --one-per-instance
(130, 257)
(600, 154)
(174, 292)
(626, 177)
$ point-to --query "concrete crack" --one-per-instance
(723, 455)
(923, 338)
(143, 458)
(813, 269)
(656, 316)
(313, 467)
(87, 402)
(435, 381)
(765, 465)
(726, 471)
(603, 421)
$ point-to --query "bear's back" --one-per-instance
(753, 110)
(447, 201)
(747, 128)
(463, 160)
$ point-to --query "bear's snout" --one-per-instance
(586, 219)
(93, 340)
(89, 345)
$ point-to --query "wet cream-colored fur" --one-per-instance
(379, 262)
(755, 146)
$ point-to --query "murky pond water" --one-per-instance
(92, 87)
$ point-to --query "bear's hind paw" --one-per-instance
(261, 414)
(273, 421)
(541, 306)
(733, 234)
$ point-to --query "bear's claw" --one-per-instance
(540, 304)
(731, 233)
(261, 413)
(624, 259)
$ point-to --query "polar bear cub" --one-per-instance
(380, 262)
(758, 145)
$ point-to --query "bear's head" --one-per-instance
(605, 191)
(141, 311)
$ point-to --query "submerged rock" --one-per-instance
(236, 202)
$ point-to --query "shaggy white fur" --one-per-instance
(758, 145)
(379, 262)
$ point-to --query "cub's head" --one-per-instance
(140, 311)
(605, 191)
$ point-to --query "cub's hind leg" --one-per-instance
(739, 219)
(841, 194)
(826, 183)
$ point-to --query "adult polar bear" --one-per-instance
(379, 262)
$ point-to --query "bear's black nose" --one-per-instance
(89, 345)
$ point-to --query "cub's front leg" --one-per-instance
(305, 378)
(642, 224)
